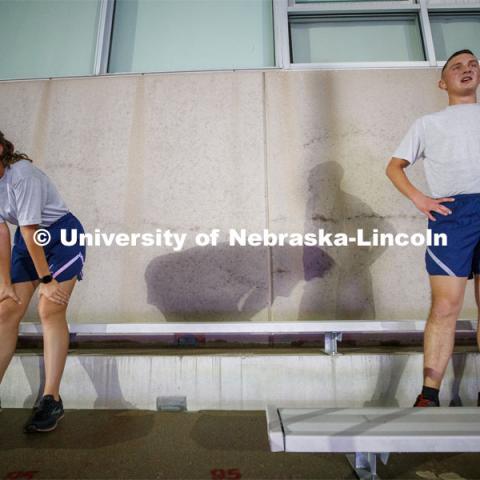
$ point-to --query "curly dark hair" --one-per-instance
(9, 156)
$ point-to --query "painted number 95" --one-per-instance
(221, 474)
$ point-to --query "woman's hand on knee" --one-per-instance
(8, 291)
(54, 292)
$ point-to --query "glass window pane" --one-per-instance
(47, 38)
(356, 38)
(169, 35)
(329, 1)
(455, 32)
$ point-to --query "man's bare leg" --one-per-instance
(439, 337)
(477, 299)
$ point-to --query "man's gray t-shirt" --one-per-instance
(28, 196)
(449, 143)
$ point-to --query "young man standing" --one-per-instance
(448, 141)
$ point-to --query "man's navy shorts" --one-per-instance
(65, 262)
(461, 256)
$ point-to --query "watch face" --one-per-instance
(46, 279)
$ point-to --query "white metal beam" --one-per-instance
(104, 32)
(357, 65)
(280, 27)
(427, 34)
(357, 7)
(318, 326)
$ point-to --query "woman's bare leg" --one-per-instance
(11, 313)
(55, 339)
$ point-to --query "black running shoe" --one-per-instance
(425, 402)
(45, 415)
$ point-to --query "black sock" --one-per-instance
(430, 393)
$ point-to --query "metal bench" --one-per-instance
(366, 434)
(332, 329)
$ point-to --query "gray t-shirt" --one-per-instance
(449, 143)
(28, 196)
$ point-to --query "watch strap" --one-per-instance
(46, 279)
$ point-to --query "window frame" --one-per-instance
(282, 11)
(357, 17)
(104, 36)
(285, 9)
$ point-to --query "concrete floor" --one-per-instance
(215, 445)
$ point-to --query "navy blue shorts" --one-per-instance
(65, 262)
(461, 256)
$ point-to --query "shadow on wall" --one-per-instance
(106, 382)
(35, 377)
(392, 370)
(217, 282)
(458, 362)
(346, 293)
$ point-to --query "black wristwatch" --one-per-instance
(46, 279)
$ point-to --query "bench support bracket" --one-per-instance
(331, 340)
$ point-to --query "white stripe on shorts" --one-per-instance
(440, 263)
(66, 265)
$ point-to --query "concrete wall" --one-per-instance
(287, 151)
(240, 380)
